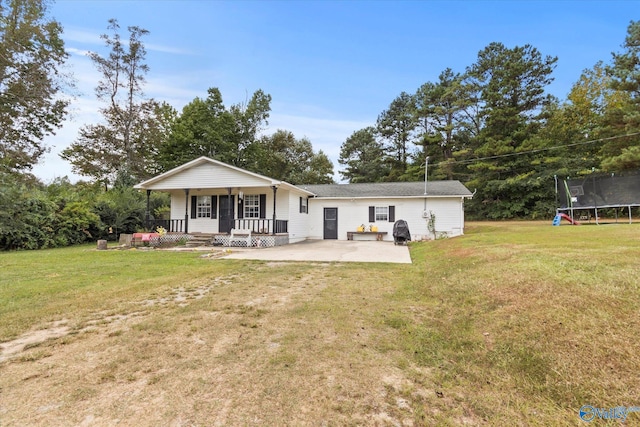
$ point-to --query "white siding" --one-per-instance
(298, 222)
(177, 205)
(355, 212)
(351, 214)
(449, 214)
(200, 225)
(208, 175)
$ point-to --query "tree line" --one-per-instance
(495, 128)
(492, 126)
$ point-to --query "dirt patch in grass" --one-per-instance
(102, 320)
(291, 347)
(33, 339)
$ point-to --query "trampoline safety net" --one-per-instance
(600, 191)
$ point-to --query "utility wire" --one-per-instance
(538, 150)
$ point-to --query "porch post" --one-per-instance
(229, 210)
(186, 210)
(148, 213)
(275, 190)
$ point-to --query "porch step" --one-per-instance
(200, 239)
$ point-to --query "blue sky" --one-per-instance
(330, 66)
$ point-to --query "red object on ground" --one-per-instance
(145, 237)
(568, 218)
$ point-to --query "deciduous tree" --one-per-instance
(32, 82)
(206, 127)
(283, 156)
(127, 137)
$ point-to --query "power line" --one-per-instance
(538, 150)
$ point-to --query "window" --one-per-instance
(304, 203)
(252, 206)
(203, 209)
(382, 213)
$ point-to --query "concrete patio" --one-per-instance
(327, 251)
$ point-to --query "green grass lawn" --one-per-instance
(514, 323)
(42, 286)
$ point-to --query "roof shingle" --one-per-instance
(389, 189)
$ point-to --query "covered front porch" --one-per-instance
(212, 198)
(212, 216)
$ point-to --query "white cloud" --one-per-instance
(175, 90)
(78, 52)
(82, 36)
(167, 49)
(325, 134)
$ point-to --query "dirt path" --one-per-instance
(219, 352)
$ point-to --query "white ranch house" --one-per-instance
(212, 198)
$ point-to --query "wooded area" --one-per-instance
(492, 126)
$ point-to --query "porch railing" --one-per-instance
(257, 226)
(171, 225)
(262, 226)
(282, 226)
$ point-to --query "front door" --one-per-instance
(330, 223)
(227, 213)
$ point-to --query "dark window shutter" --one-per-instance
(263, 206)
(214, 207)
(240, 208)
(372, 214)
(300, 205)
(194, 206)
(392, 213)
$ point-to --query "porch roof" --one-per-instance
(207, 173)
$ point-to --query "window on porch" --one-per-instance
(252, 206)
(203, 207)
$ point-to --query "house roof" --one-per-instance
(192, 175)
(238, 176)
(196, 162)
(390, 189)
